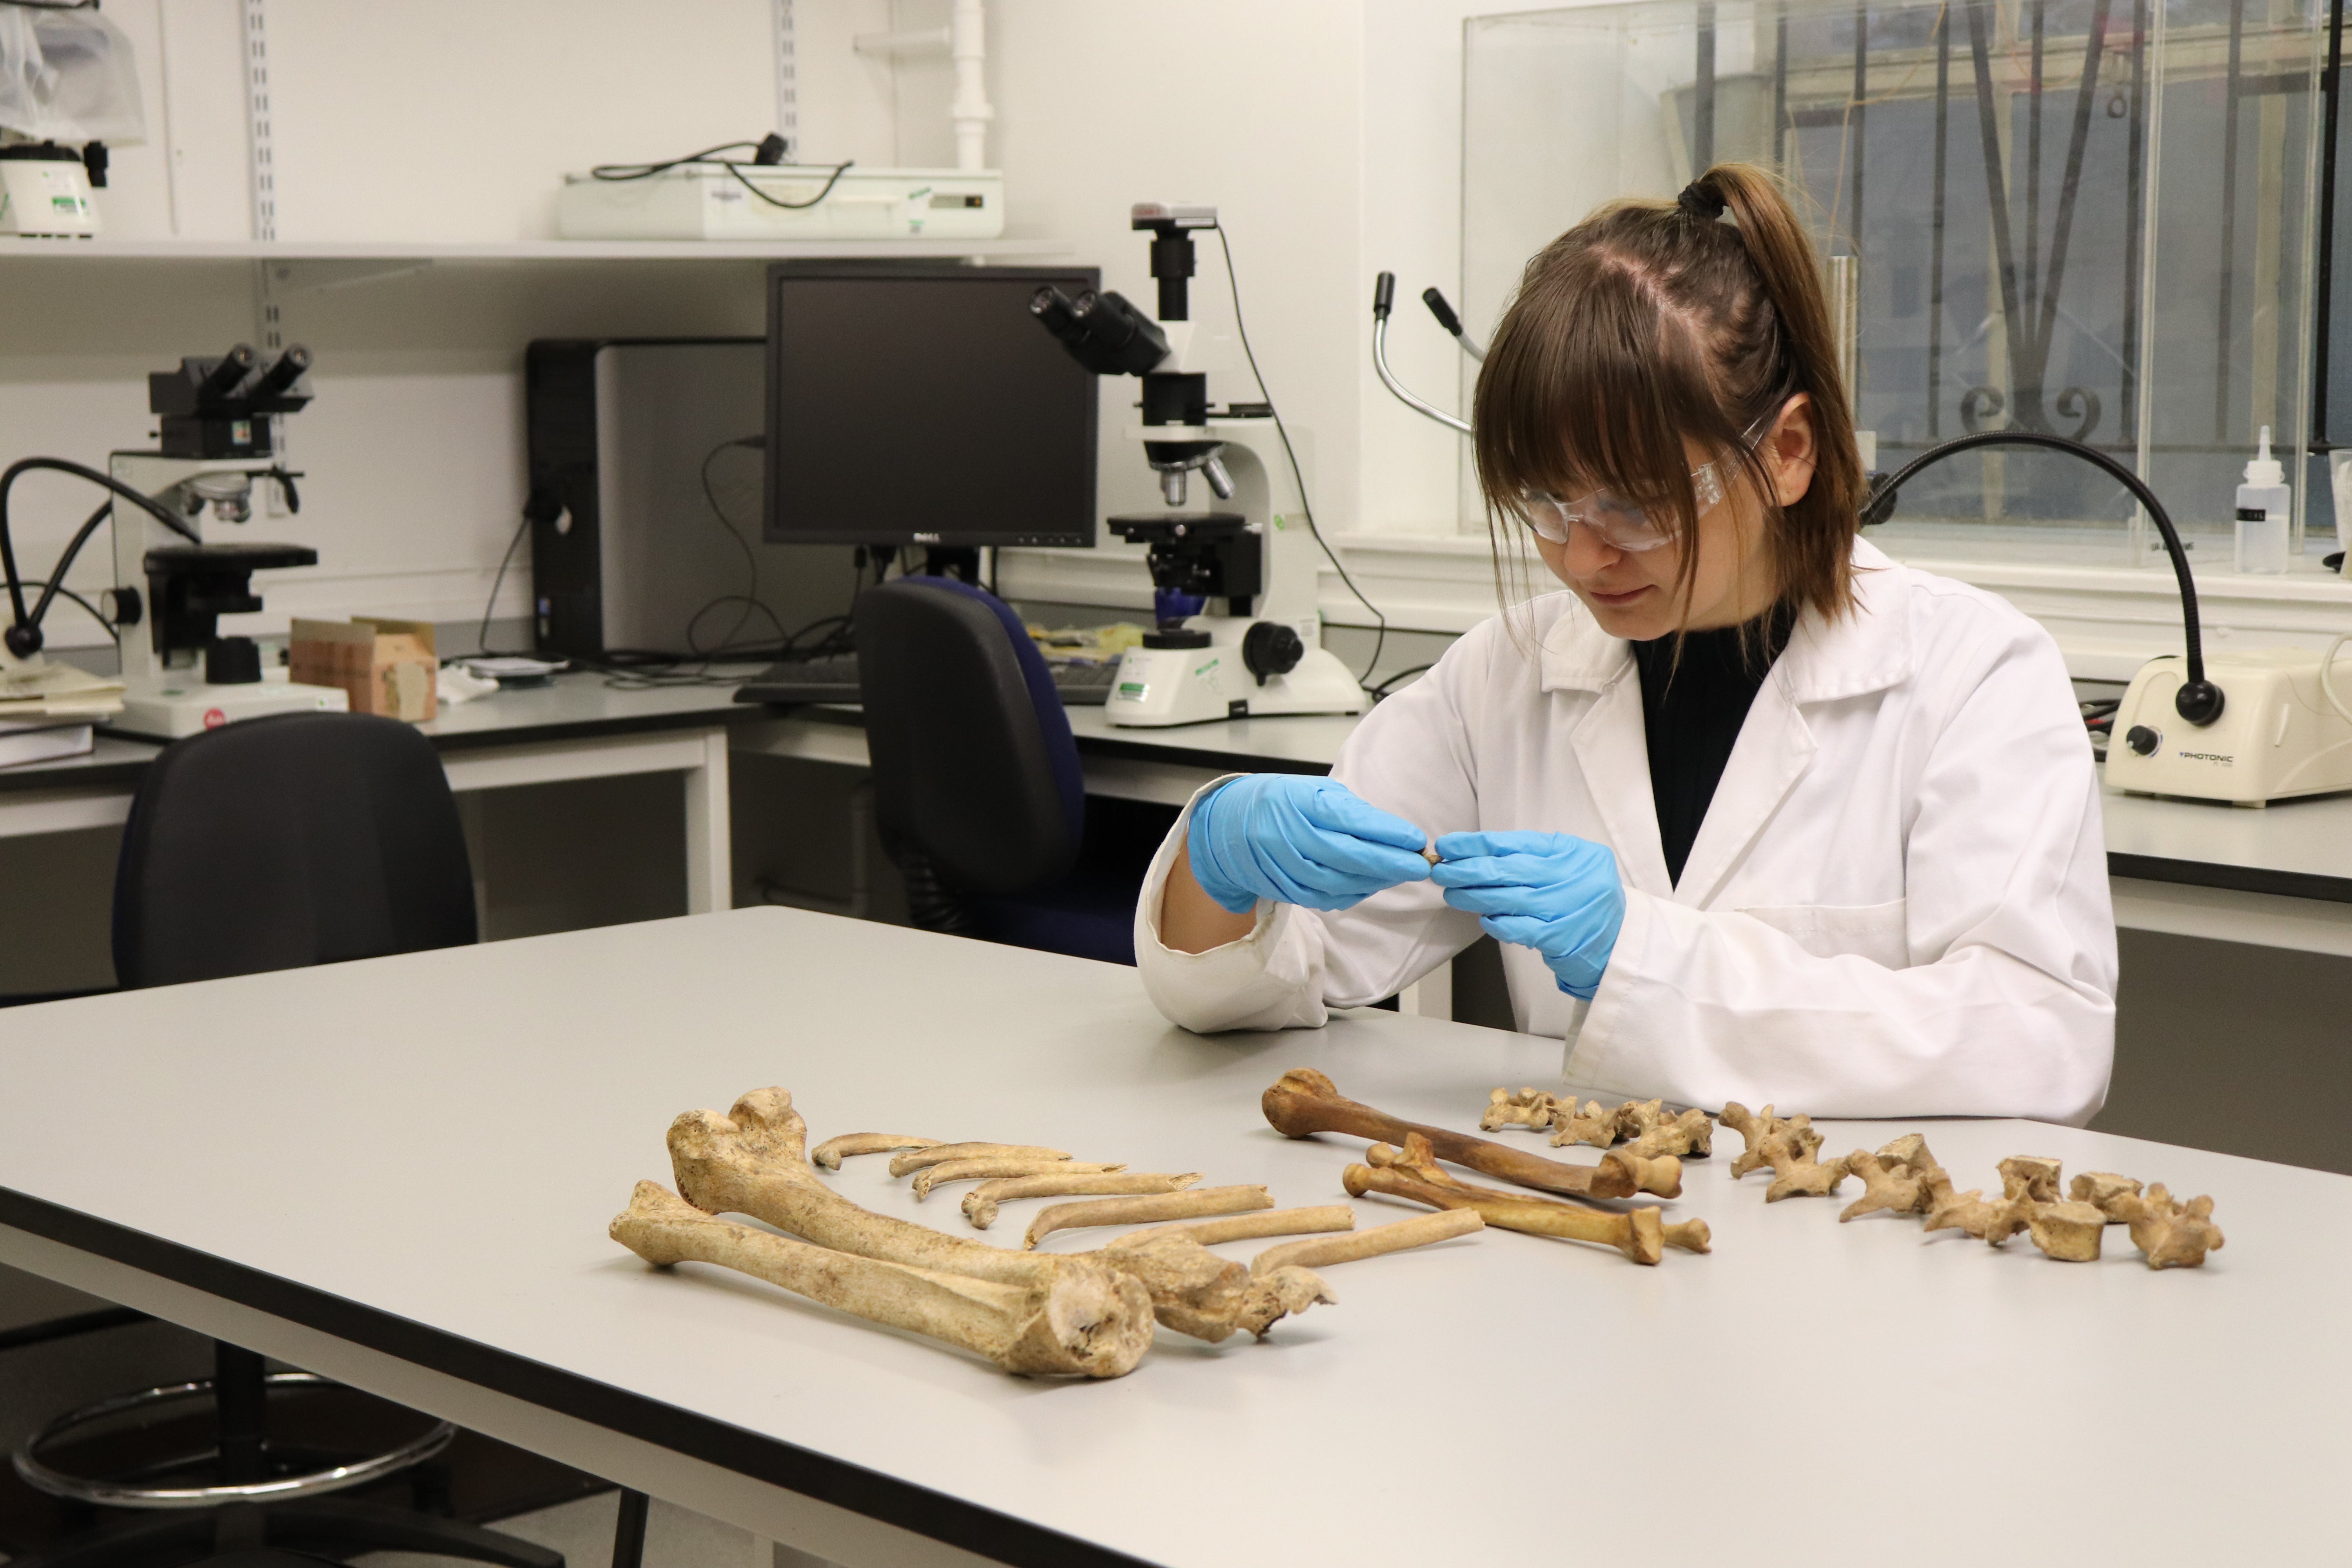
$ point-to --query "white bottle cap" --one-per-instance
(2265, 469)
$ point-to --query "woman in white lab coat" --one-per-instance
(1756, 813)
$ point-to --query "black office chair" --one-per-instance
(977, 788)
(273, 844)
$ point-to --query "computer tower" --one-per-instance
(627, 553)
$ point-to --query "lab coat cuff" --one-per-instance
(1235, 984)
(1594, 1060)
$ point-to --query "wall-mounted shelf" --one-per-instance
(15, 249)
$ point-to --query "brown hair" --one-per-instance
(1651, 321)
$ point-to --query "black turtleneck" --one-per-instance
(1691, 708)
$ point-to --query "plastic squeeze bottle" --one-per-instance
(2265, 512)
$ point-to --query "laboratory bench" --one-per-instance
(1804, 1376)
(2279, 876)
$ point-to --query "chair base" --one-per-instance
(283, 1535)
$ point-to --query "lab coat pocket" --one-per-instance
(1874, 931)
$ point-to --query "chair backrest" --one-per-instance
(972, 755)
(283, 842)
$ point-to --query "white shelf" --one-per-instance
(15, 247)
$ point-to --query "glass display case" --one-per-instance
(2094, 217)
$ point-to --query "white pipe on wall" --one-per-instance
(970, 111)
(965, 41)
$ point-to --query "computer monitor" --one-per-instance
(916, 404)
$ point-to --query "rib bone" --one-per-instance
(1413, 1174)
(931, 1154)
(1199, 1201)
(751, 1162)
(948, 1171)
(1251, 1226)
(1322, 1251)
(1088, 1321)
(980, 1204)
(1303, 1103)
(833, 1150)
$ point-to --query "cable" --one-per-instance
(95, 612)
(735, 167)
(24, 635)
(750, 597)
(1232, 285)
(482, 637)
(1381, 691)
(2199, 700)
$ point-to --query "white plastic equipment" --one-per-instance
(2285, 730)
(703, 203)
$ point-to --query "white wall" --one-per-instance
(1326, 131)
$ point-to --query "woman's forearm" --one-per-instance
(1190, 921)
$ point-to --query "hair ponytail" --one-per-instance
(1651, 321)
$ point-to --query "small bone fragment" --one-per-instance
(1303, 1103)
(2011, 1214)
(2069, 1232)
(1593, 1125)
(1089, 1321)
(1950, 1210)
(1758, 1126)
(1529, 1107)
(1798, 1173)
(833, 1150)
(915, 1160)
(1429, 853)
(1252, 1226)
(989, 1170)
(1412, 1173)
(980, 1204)
(1893, 1191)
(2172, 1234)
(2100, 1189)
(1692, 1133)
(1194, 1204)
(2034, 1176)
(753, 1160)
(1322, 1251)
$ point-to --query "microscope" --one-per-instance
(1257, 650)
(172, 585)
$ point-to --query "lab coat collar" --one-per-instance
(1866, 651)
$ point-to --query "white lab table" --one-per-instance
(399, 1172)
(579, 728)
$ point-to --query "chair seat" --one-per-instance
(264, 1557)
(1083, 916)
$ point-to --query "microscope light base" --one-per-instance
(1158, 688)
(167, 708)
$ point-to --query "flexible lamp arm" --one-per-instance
(2199, 700)
(23, 638)
(1383, 299)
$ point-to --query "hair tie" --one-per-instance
(1704, 204)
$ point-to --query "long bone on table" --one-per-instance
(1303, 1102)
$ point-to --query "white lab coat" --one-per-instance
(1896, 905)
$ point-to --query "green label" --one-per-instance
(1208, 667)
(1132, 690)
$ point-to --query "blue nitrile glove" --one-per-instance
(1298, 840)
(1556, 894)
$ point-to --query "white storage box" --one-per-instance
(712, 204)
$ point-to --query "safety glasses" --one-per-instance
(1626, 525)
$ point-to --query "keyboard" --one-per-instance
(833, 679)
